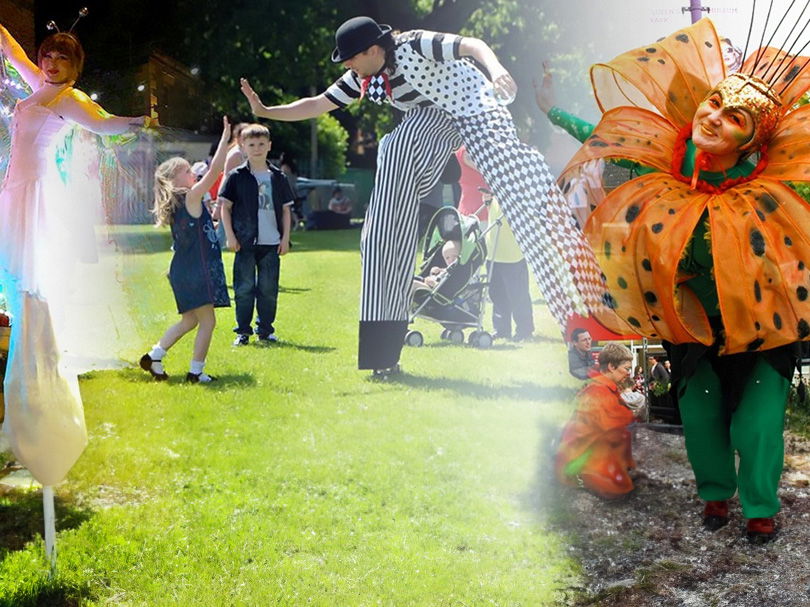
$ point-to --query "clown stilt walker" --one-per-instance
(447, 101)
(46, 229)
(707, 248)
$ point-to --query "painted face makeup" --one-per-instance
(749, 105)
(719, 129)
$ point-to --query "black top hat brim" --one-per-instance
(338, 57)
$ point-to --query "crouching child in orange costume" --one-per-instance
(594, 450)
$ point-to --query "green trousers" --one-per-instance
(754, 430)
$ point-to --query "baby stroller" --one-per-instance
(457, 300)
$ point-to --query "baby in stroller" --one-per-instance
(447, 288)
(450, 253)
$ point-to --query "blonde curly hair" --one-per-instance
(167, 196)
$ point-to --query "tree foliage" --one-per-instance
(283, 47)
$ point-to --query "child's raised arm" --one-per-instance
(198, 190)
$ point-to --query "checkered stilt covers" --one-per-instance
(561, 260)
(410, 161)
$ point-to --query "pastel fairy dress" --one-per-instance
(44, 420)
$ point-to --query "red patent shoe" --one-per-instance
(760, 530)
(715, 515)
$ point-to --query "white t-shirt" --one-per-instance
(268, 227)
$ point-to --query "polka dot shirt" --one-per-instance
(429, 72)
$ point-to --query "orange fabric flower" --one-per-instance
(758, 226)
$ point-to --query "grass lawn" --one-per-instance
(295, 480)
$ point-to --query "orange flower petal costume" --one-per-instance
(759, 227)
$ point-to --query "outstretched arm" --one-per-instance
(198, 190)
(16, 55)
(479, 50)
(79, 108)
(302, 109)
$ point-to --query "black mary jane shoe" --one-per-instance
(146, 364)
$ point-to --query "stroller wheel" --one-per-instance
(445, 334)
(483, 341)
(456, 336)
(414, 339)
(472, 338)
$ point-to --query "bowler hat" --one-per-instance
(356, 35)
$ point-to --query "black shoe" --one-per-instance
(384, 374)
(146, 364)
(199, 378)
(523, 337)
(501, 336)
(241, 339)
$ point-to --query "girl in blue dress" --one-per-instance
(196, 273)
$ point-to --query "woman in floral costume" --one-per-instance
(707, 248)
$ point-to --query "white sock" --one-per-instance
(197, 366)
(157, 367)
(157, 353)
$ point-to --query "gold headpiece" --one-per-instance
(758, 99)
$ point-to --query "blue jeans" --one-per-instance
(255, 280)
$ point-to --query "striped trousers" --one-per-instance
(410, 161)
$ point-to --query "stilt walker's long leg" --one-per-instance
(560, 258)
(410, 161)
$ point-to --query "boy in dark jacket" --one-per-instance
(256, 200)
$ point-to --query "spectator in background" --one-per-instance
(234, 158)
(658, 372)
(340, 203)
(580, 358)
(290, 170)
(473, 186)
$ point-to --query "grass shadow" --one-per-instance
(325, 240)
(47, 592)
(292, 290)
(303, 347)
(140, 241)
(524, 391)
(497, 347)
(231, 380)
(21, 518)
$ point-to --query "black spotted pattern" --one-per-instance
(755, 345)
(757, 242)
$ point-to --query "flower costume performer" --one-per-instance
(447, 101)
(45, 230)
(707, 248)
